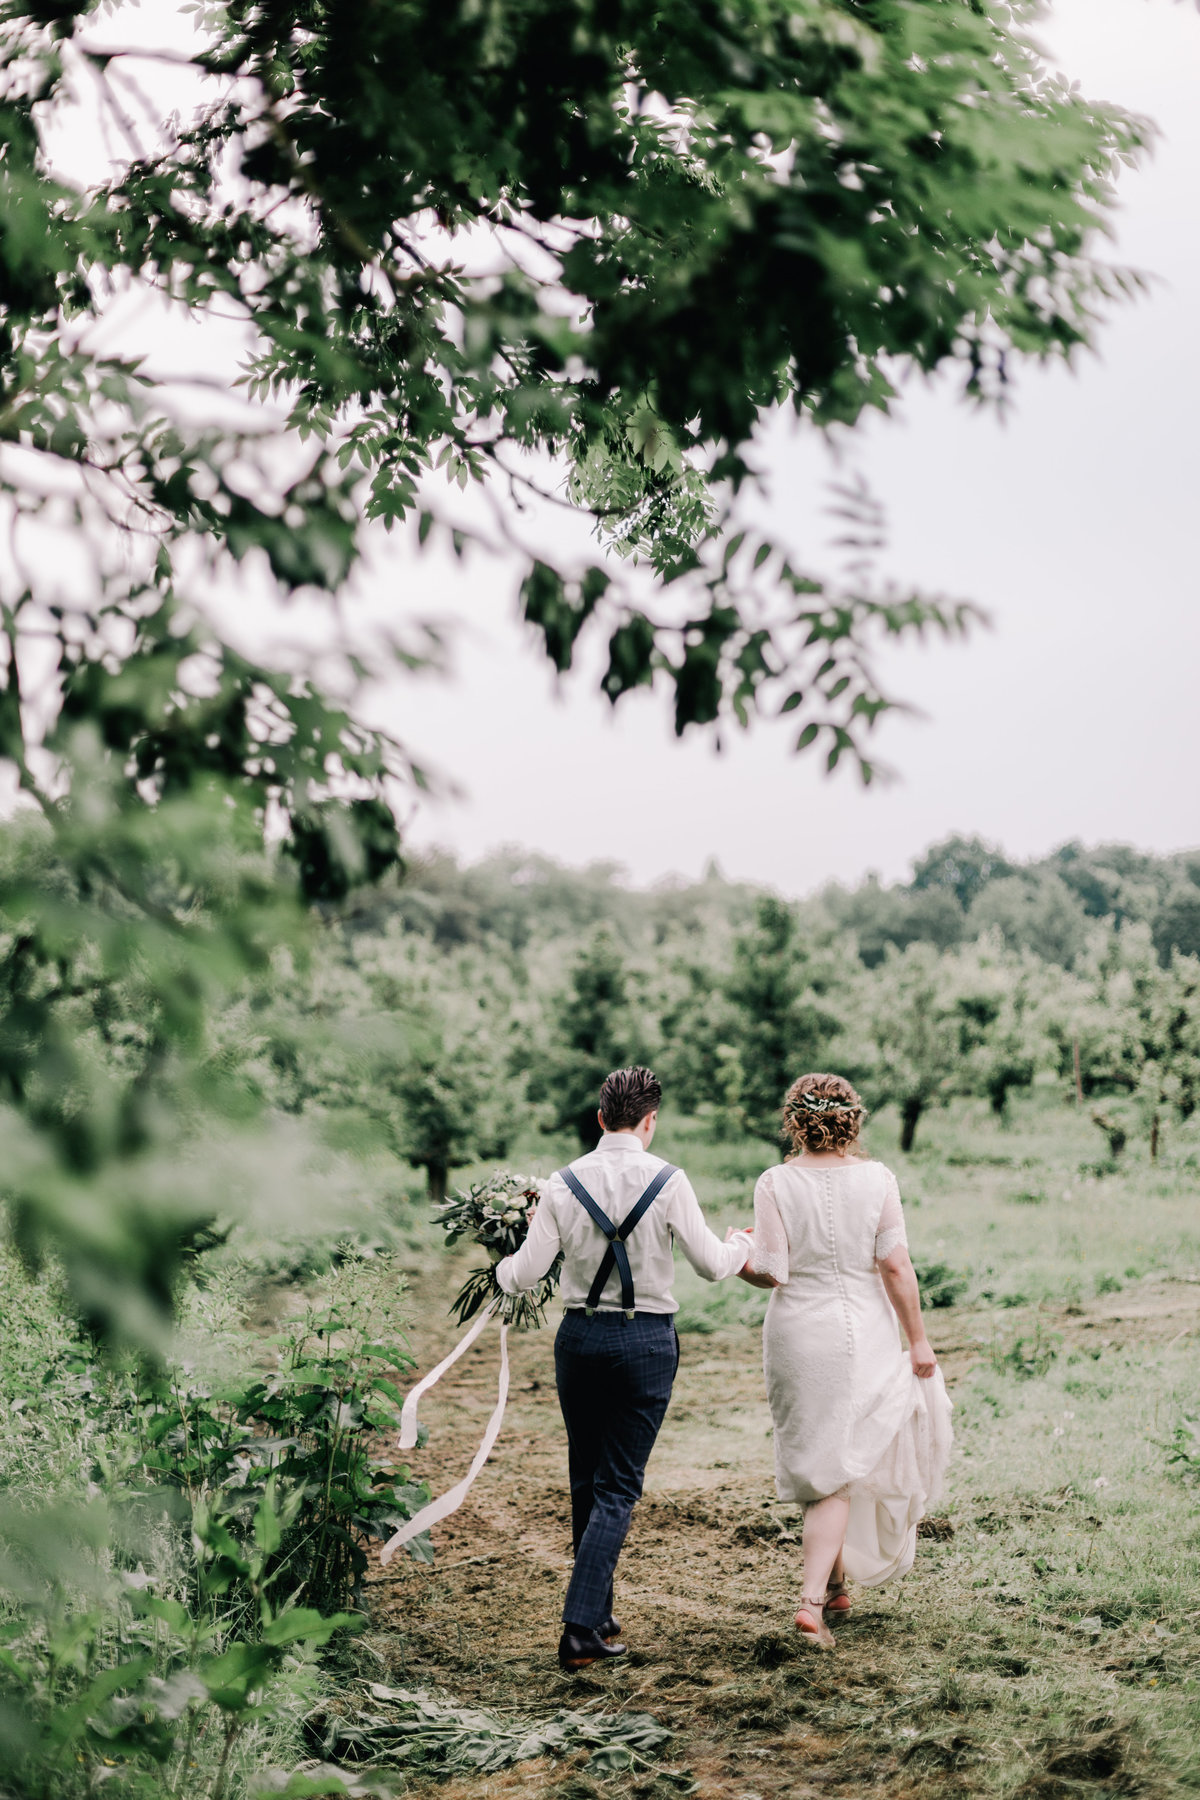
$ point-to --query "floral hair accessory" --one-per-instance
(823, 1103)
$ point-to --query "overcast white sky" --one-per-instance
(1073, 523)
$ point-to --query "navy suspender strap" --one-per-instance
(616, 1252)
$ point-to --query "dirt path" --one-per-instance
(707, 1583)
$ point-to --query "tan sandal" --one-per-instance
(837, 1600)
(811, 1624)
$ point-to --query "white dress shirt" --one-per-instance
(616, 1173)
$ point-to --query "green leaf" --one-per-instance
(303, 1625)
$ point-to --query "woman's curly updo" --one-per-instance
(822, 1112)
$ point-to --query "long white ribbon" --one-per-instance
(408, 1417)
(440, 1509)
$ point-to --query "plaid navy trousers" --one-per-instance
(614, 1384)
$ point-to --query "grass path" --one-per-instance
(1047, 1643)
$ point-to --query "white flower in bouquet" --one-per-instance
(496, 1215)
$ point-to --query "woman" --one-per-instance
(862, 1429)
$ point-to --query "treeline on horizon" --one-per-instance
(497, 995)
(961, 887)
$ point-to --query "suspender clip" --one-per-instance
(590, 1311)
(629, 1314)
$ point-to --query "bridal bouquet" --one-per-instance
(496, 1214)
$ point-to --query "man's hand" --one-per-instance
(924, 1362)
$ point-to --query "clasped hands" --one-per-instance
(750, 1276)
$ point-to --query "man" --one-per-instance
(615, 1215)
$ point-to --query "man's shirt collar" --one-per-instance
(619, 1140)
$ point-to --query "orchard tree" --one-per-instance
(591, 1032)
(383, 1039)
(1012, 1009)
(457, 1103)
(697, 1061)
(1168, 1002)
(434, 1052)
(779, 1029)
(1144, 1036)
(909, 1018)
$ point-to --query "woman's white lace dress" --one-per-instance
(850, 1416)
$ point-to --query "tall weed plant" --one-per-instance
(179, 1544)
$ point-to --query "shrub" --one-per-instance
(306, 1429)
(1025, 1357)
(165, 1611)
(1183, 1450)
(940, 1284)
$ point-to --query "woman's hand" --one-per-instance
(747, 1272)
(924, 1362)
(753, 1279)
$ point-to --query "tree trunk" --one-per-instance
(910, 1114)
(437, 1174)
(1154, 1138)
(1116, 1134)
(1078, 1076)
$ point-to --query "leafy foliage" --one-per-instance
(580, 258)
(504, 248)
(122, 930)
(941, 1286)
(161, 1625)
(1026, 1356)
(1183, 1454)
(308, 1431)
(961, 866)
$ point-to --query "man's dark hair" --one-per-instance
(627, 1096)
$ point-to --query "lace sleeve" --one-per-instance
(889, 1232)
(770, 1238)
